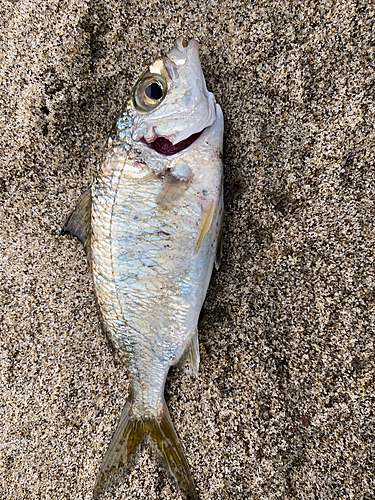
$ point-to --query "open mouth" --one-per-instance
(164, 146)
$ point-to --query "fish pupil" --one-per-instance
(154, 91)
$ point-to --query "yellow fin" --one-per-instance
(205, 226)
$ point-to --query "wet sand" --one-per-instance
(283, 407)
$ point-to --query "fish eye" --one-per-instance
(154, 91)
(149, 92)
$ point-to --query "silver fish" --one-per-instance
(150, 225)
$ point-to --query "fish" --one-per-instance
(151, 228)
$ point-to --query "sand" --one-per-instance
(283, 407)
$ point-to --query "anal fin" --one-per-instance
(190, 357)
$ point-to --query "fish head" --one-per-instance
(171, 103)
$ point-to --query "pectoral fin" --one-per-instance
(78, 222)
(172, 190)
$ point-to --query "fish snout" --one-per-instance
(183, 50)
(183, 44)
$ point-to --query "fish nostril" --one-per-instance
(184, 42)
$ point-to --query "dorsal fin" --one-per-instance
(78, 222)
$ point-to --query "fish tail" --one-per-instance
(165, 442)
(123, 446)
(129, 435)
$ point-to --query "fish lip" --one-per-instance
(165, 147)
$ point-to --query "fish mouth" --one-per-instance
(164, 146)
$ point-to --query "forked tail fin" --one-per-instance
(127, 439)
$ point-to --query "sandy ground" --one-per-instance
(283, 407)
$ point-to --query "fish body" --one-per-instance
(149, 279)
(156, 207)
